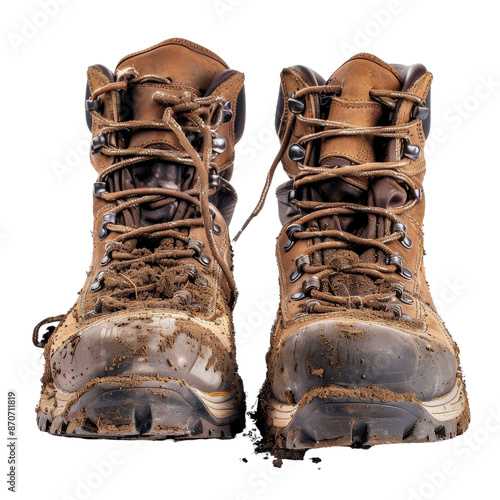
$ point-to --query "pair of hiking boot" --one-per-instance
(358, 356)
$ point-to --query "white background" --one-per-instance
(46, 222)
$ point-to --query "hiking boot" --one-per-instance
(148, 349)
(359, 356)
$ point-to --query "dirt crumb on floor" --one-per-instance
(271, 445)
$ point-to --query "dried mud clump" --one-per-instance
(271, 443)
(345, 279)
(149, 278)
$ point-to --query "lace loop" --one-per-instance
(35, 337)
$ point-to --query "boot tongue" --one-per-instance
(182, 65)
(357, 77)
(181, 61)
(354, 106)
(175, 66)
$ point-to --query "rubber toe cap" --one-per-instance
(360, 355)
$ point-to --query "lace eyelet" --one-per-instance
(185, 297)
(398, 261)
(201, 281)
(294, 194)
(400, 293)
(296, 152)
(191, 271)
(105, 260)
(214, 180)
(415, 194)
(99, 188)
(406, 274)
(204, 259)
(406, 299)
(407, 242)
(97, 285)
(108, 218)
(420, 112)
(215, 227)
(93, 104)
(198, 246)
(219, 145)
(412, 151)
(300, 262)
(227, 112)
(397, 310)
(98, 142)
(290, 231)
(295, 105)
(311, 304)
(312, 283)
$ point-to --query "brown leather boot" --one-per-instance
(148, 349)
(359, 355)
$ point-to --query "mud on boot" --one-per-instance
(359, 356)
(148, 349)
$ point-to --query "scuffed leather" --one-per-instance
(297, 334)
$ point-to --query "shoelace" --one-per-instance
(313, 210)
(200, 116)
(195, 113)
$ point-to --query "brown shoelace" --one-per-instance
(314, 210)
(199, 115)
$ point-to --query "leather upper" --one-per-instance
(351, 102)
(154, 91)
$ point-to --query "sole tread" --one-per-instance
(150, 410)
(336, 418)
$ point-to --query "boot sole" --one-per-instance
(360, 418)
(142, 408)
